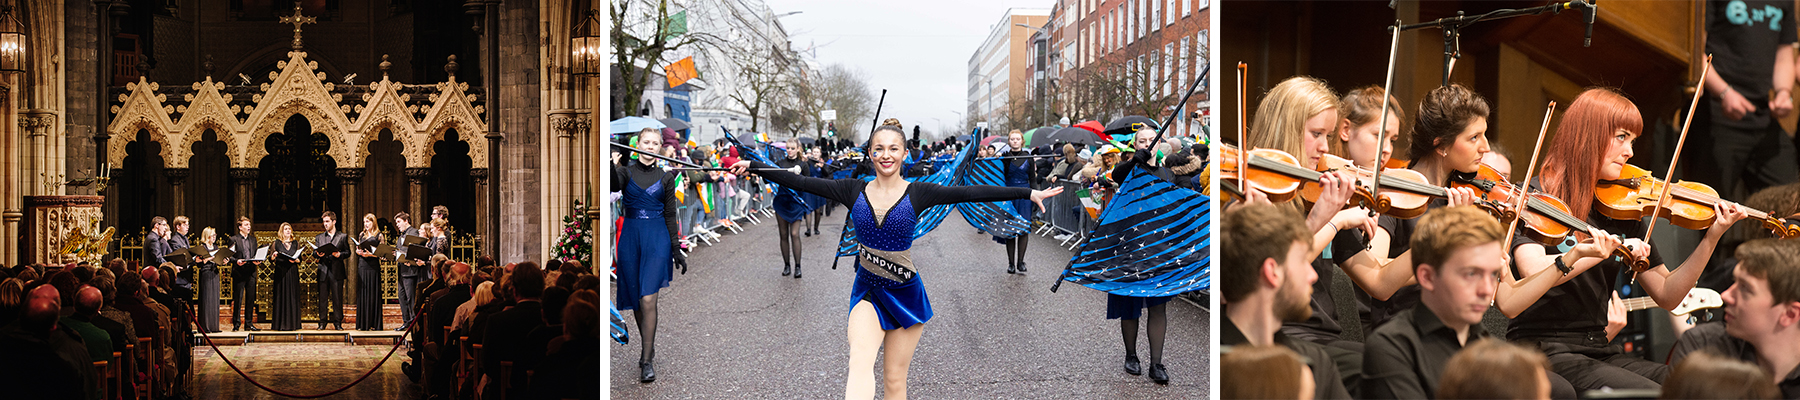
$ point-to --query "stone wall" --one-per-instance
(79, 99)
(521, 120)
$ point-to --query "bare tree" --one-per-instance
(648, 36)
(1140, 79)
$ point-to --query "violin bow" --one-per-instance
(1381, 135)
(1525, 194)
(1699, 89)
(1243, 75)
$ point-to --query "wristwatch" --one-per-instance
(1560, 266)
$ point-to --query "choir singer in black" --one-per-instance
(330, 251)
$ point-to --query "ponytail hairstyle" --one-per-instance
(1444, 113)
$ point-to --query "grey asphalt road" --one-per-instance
(733, 327)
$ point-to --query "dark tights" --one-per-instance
(1159, 324)
(790, 241)
(818, 214)
(646, 321)
(1015, 249)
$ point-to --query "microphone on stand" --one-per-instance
(1588, 10)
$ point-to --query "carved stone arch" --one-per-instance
(115, 148)
(466, 130)
(373, 132)
(197, 129)
(274, 121)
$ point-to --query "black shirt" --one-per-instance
(1712, 337)
(1743, 35)
(1405, 357)
(1326, 382)
(1575, 311)
(644, 176)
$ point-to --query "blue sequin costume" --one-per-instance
(885, 276)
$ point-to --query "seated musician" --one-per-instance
(1762, 315)
(1568, 322)
(1267, 281)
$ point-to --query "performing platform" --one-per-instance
(391, 319)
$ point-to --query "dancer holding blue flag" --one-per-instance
(889, 306)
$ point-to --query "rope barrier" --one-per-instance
(259, 385)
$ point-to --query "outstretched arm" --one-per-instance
(843, 191)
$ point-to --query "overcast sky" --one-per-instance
(918, 49)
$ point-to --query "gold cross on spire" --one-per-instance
(297, 19)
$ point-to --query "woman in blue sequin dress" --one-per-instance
(648, 241)
(888, 302)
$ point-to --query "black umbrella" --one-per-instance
(1124, 125)
(1072, 135)
(679, 125)
(806, 140)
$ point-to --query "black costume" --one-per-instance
(286, 315)
(209, 290)
(243, 282)
(368, 285)
(410, 275)
(331, 278)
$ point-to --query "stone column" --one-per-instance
(483, 231)
(416, 199)
(43, 179)
(176, 175)
(350, 221)
(245, 178)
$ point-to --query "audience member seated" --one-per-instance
(572, 359)
(506, 331)
(1263, 372)
(43, 359)
(1705, 375)
(1495, 369)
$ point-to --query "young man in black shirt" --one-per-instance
(1762, 315)
(1267, 281)
(1458, 256)
(1752, 43)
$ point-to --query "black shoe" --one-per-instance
(236, 327)
(787, 270)
(1132, 367)
(1159, 374)
(808, 234)
(647, 372)
(321, 326)
(1021, 267)
(1010, 269)
(252, 328)
(796, 271)
(402, 328)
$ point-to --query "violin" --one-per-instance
(1691, 205)
(1404, 193)
(1547, 219)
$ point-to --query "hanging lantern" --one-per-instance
(586, 56)
(12, 42)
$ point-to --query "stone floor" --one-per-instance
(301, 369)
